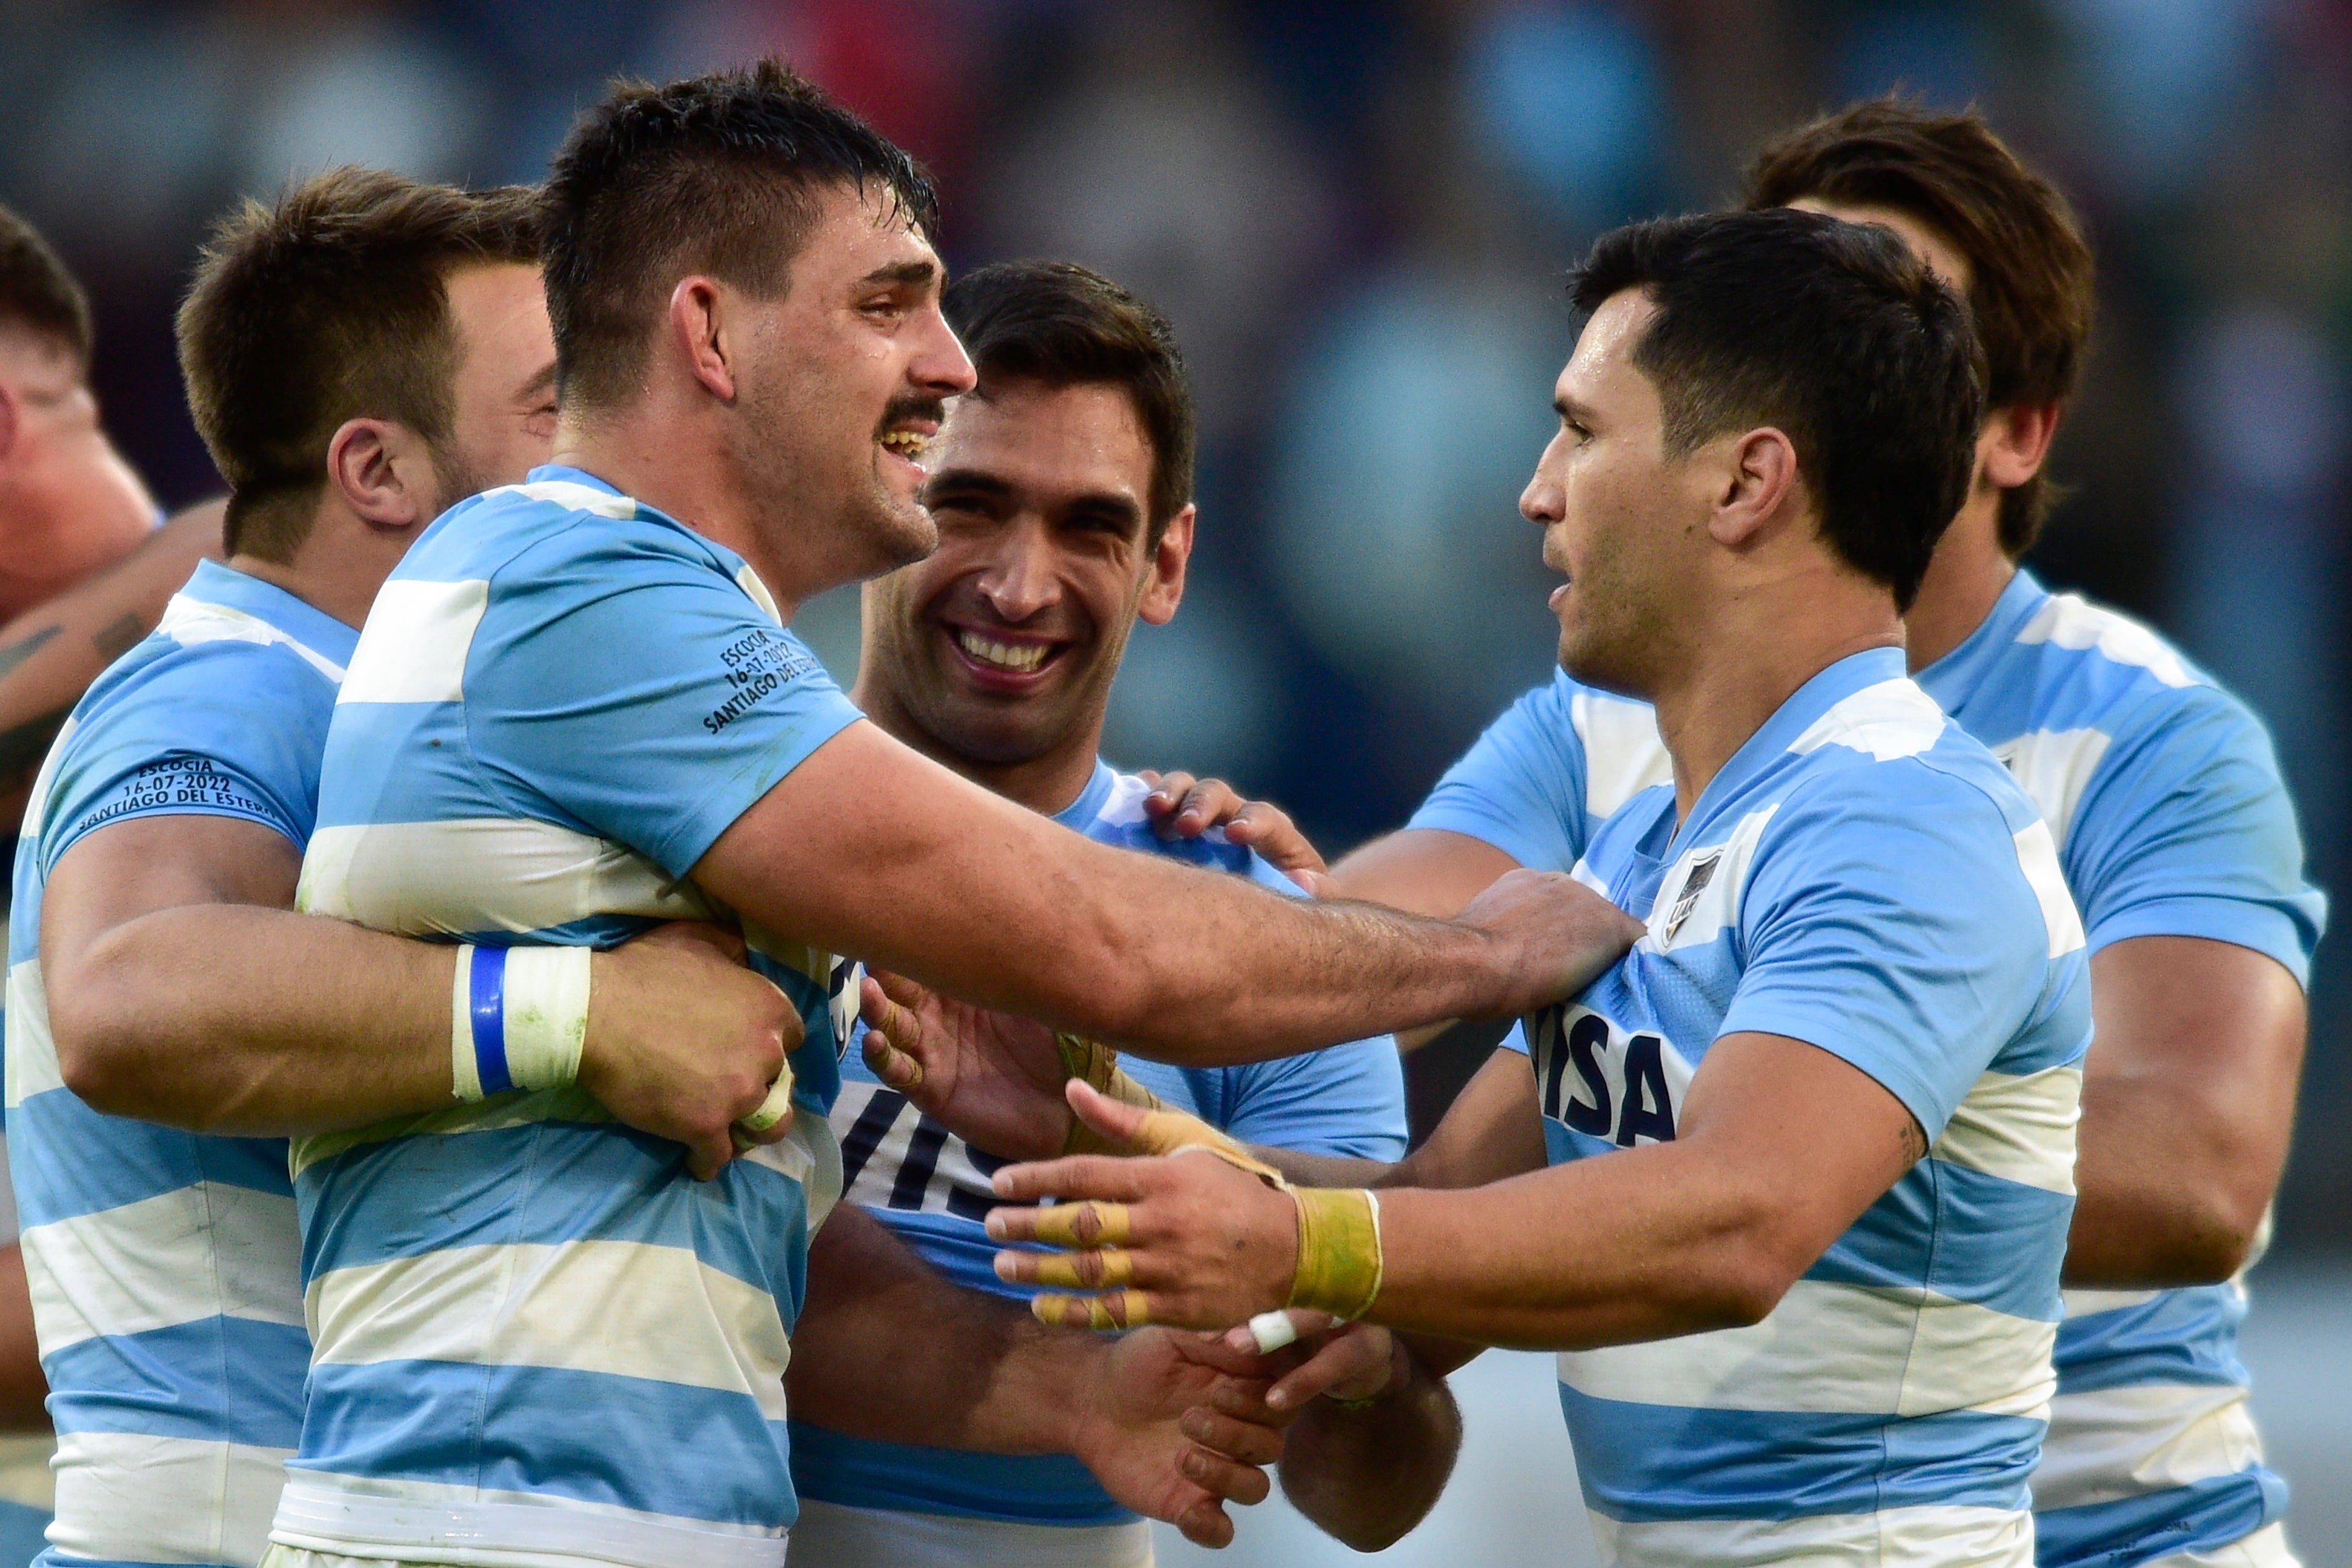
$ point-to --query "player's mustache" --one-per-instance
(904, 410)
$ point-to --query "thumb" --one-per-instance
(723, 943)
(1317, 882)
(1113, 1119)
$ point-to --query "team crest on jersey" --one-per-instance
(1702, 872)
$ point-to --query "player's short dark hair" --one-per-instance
(717, 175)
(37, 292)
(2031, 276)
(1832, 332)
(1062, 325)
(331, 306)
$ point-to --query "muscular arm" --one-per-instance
(184, 988)
(50, 655)
(24, 1392)
(1429, 871)
(1781, 1147)
(867, 848)
(2188, 1101)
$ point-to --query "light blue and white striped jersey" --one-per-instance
(932, 1188)
(2171, 819)
(163, 1264)
(1862, 876)
(539, 1340)
(2165, 798)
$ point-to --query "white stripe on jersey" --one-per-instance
(2021, 1129)
(1936, 1537)
(2108, 1444)
(161, 1262)
(126, 1495)
(483, 874)
(2054, 766)
(419, 635)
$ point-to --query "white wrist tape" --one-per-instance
(517, 1019)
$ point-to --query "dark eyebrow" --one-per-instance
(1571, 411)
(544, 381)
(967, 479)
(917, 273)
(1109, 506)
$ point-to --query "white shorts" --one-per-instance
(831, 1536)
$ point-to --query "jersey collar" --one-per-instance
(728, 561)
(1083, 811)
(214, 584)
(1762, 750)
(1951, 678)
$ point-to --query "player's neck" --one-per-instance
(671, 466)
(1965, 580)
(1750, 657)
(1048, 784)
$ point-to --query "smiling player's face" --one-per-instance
(1619, 520)
(1001, 645)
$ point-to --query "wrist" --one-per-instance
(1339, 1259)
(517, 1019)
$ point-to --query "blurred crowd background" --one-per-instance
(1358, 215)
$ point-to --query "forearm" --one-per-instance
(888, 1350)
(1367, 1476)
(1428, 870)
(1639, 1246)
(241, 1020)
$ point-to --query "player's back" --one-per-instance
(1865, 878)
(163, 1264)
(559, 699)
(2165, 799)
(931, 1188)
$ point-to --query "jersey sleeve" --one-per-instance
(2186, 830)
(1896, 930)
(1521, 785)
(178, 739)
(642, 692)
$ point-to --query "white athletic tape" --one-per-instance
(1272, 1331)
(774, 1108)
(518, 1018)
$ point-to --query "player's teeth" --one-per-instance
(1002, 654)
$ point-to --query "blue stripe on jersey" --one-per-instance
(931, 1188)
(138, 1382)
(548, 1430)
(558, 1181)
(2164, 796)
(136, 1168)
(1819, 889)
(162, 1262)
(560, 699)
(1790, 1465)
(2202, 1516)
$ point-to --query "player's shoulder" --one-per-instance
(2089, 666)
(1887, 755)
(551, 532)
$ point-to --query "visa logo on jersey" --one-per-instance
(1597, 1079)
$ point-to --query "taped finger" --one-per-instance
(1089, 1224)
(774, 1108)
(1097, 1270)
(1117, 1310)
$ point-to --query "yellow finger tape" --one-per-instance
(1111, 1266)
(1088, 1224)
(1118, 1309)
(1339, 1250)
(1096, 1065)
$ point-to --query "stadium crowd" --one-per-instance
(510, 1064)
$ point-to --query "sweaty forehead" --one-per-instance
(1605, 350)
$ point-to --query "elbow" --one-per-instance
(93, 1060)
(2215, 1240)
(1745, 1281)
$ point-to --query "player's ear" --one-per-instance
(1759, 482)
(12, 414)
(383, 473)
(1163, 590)
(698, 324)
(2015, 442)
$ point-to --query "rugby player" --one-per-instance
(574, 708)
(1061, 485)
(157, 969)
(2175, 832)
(1819, 1122)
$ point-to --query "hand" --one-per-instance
(1181, 807)
(1178, 1427)
(1196, 1242)
(1557, 936)
(684, 1040)
(1350, 1362)
(990, 1078)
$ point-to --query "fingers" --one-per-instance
(1319, 884)
(1244, 1442)
(707, 1155)
(1080, 1175)
(1261, 1336)
(1213, 1472)
(725, 944)
(1094, 1270)
(1205, 1524)
(1358, 1364)
(1088, 1224)
(1119, 1310)
(1114, 1119)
